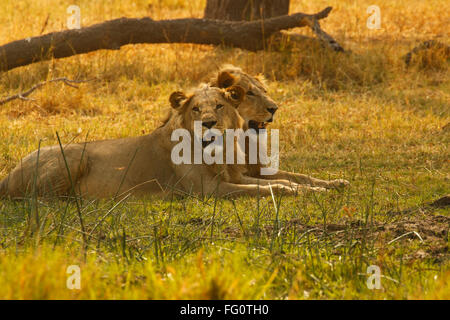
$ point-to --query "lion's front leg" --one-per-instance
(226, 189)
(288, 183)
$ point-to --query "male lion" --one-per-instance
(143, 165)
(258, 109)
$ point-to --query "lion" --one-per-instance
(258, 110)
(143, 165)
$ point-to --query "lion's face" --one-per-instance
(215, 108)
(257, 108)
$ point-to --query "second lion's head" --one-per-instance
(214, 107)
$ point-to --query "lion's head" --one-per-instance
(257, 108)
(214, 107)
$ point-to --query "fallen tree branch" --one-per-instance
(24, 95)
(116, 33)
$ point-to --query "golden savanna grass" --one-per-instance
(363, 116)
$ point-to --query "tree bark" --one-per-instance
(237, 10)
(119, 32)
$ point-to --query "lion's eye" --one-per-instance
(250, 93)
(196, 109)
(219, 106)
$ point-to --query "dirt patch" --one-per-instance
(417, 224)
(430, 230)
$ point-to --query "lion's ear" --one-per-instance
(225, 79)
(176, 99)
(236, 94)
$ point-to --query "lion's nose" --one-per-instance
(272, 110)
(208, 124)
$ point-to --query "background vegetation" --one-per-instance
(363, 116)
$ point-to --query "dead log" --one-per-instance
(113, 34)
